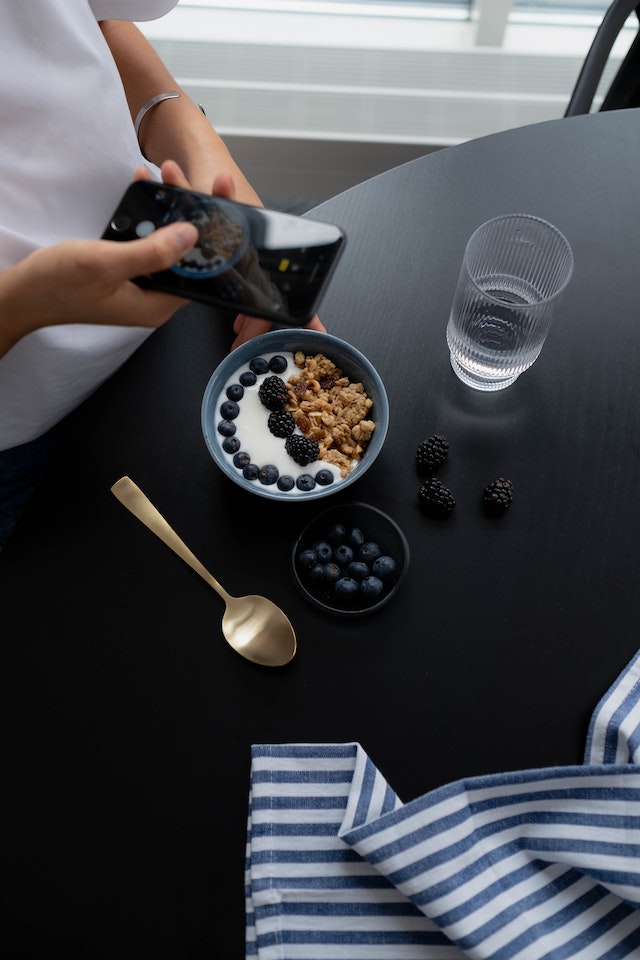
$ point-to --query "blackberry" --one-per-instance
(301, 449)
(497, 496)
(281, 423)
(435, 498)
(273, 392)
(431, 454)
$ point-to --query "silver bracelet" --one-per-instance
(144, 110)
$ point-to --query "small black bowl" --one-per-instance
(324, 552)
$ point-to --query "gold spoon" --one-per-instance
(254, 626)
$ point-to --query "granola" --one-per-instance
(331, 410)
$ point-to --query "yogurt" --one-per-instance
(256, 439)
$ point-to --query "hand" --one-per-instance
(245, 327)
(89, 281)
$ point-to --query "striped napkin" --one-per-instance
(540, 864)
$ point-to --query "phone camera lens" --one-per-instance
(120, 224)
(144, 228)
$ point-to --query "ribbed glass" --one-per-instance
(514, 271)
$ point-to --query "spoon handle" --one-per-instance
(132, 497)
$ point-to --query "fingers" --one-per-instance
(142, 173)
(224, 186)
(246, 328)
(315, 324)
(159, 251)
(173, 175)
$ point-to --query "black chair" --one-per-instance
(625, 87)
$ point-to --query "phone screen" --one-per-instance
(247, 260)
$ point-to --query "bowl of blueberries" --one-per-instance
(294, 414)
(350, 559)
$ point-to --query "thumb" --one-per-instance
(159, 250)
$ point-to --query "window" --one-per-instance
(422, 72)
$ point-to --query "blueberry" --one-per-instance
(248, 378)
(259, 365)
(384, 567)
(358, 570)
(241, 459)
(371, 587)
(355, 537)
(343, 553)
(278, 364)
(305, 482)
(251, 471)
(268, 474)
(229, 410)
(307, 558)
(286, 483)
(324, 477)
(346, 587)
(226, 428)
(231, 445)
(369, 551)
(235, 392)
(332, 572)
(336, 533)
(323, 551)
(316, 572)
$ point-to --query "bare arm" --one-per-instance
(177, 136)
(174, 129)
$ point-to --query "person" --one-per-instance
(87, 106)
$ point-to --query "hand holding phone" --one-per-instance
(250, 260)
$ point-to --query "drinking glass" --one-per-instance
(514, 272)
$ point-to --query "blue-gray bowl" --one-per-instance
(284, 342)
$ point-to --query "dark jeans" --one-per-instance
(21, 468)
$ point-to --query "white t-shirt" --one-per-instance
(67, 152)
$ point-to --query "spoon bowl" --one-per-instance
(254, 626)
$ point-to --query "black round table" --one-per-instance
(128, 720)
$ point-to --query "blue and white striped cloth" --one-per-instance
(541, 864)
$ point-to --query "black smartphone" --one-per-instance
(265, 263)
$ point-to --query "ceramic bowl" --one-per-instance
(235, 421)
(350, 559)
